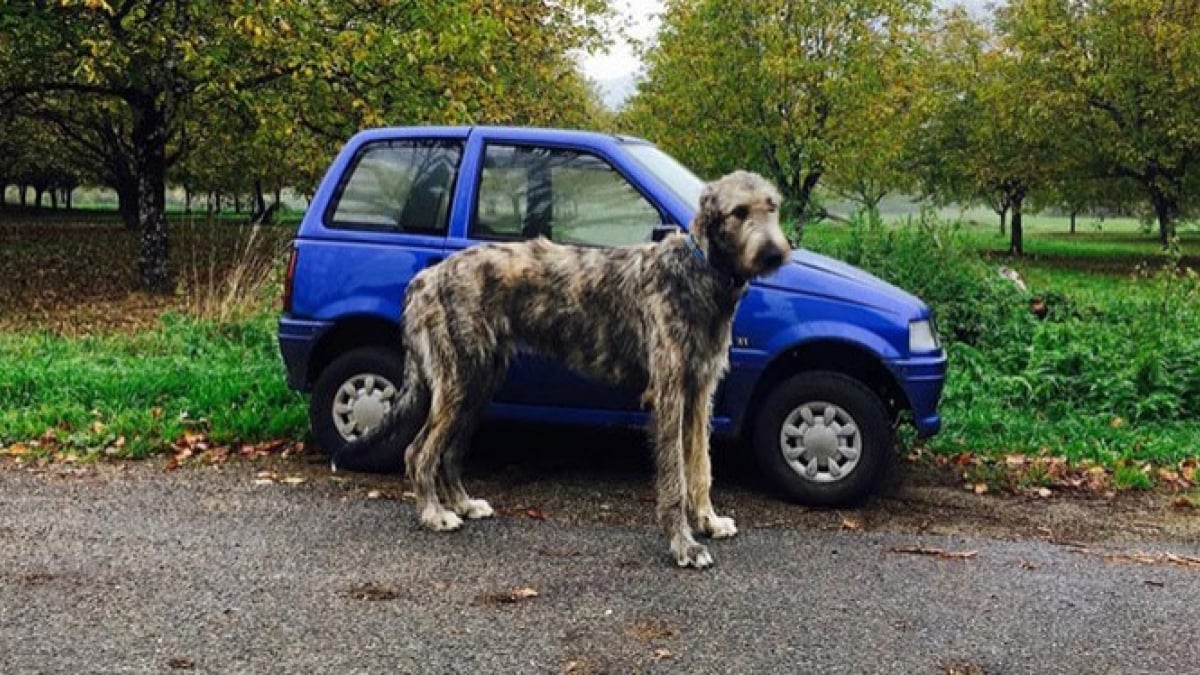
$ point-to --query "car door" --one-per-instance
(570, 195)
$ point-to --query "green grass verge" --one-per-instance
(186, 374)
(1110, 374)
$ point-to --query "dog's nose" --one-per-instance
(770, 258)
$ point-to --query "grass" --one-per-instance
(185, 374)
(1110, 375)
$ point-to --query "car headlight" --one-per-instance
(922, 336)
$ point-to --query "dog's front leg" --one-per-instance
(672, 478)
(699, 467)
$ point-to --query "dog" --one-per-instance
(656, 316)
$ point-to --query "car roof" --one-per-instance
(520, 133)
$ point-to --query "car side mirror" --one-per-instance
(663, 230)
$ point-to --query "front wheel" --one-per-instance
(823, 438)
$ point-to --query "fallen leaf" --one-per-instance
(17, 450)
(662, 653)
(1044, 492)
(374, 592)
(979, 488)
(374, 494)
(293, 480)
(263, 481)
(181, 663)
(535, 513)
(1153, 582)
(510, 597)
(1183, 502)
(937, 552)
(851, 524)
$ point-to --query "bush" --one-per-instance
(1115, 375)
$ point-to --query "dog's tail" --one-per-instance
(382, 450)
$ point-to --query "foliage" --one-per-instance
(1103, 376)
(990, 132)
(790, 89)
(268, 88)
(1126, 73)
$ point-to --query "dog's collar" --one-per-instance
(731, 280)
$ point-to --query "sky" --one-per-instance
(614, 71)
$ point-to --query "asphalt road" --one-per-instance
(131, 568)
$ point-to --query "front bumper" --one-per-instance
(296, 340)
(922, 379)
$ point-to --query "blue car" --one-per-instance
(825, 359)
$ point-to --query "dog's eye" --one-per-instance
(740, 212)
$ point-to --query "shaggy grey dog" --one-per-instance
(656, 317)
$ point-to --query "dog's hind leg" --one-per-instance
(477, 395)
(699, 467)
(425, 459)
(671, 479)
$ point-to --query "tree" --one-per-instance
(783, 87)
(1126, 71)
(123, 78)
(990, 134)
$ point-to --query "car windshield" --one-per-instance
(675, 176)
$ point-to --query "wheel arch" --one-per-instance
(364, 330)
(838, 356)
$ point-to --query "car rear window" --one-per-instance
(398, 186)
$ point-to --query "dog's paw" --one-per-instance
(441, 520)
(718, 527)
(475, 509)
(691, 554)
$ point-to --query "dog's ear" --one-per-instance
(710, 214)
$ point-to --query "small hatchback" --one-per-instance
(825, 359)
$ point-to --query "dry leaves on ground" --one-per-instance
(934, 552)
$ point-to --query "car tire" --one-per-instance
(824, 439)
(350, 396)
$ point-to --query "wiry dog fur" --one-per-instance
(655, 316)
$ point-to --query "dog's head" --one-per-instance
(738, 224)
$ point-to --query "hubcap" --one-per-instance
(820, 442)
(360, 404)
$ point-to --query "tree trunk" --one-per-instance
(3, 196)
(278, 195)
(38, 192)
(1017, 244)
(150, 143)
(127, 203)
(1073, 221)
(1165, 209)
(53, 198)
(237, 203)
(260, 200)
(68, 197)
(21, 190)
(1003, 213)
(187, 199)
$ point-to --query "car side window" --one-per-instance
(567, 196)
(399, 186)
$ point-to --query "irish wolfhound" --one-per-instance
(655, 316)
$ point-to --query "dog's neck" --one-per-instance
(719, 260)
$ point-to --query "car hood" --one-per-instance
(817, 275)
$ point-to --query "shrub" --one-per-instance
(1105, 376)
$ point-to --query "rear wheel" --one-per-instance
(823, 438)
(352, 394)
